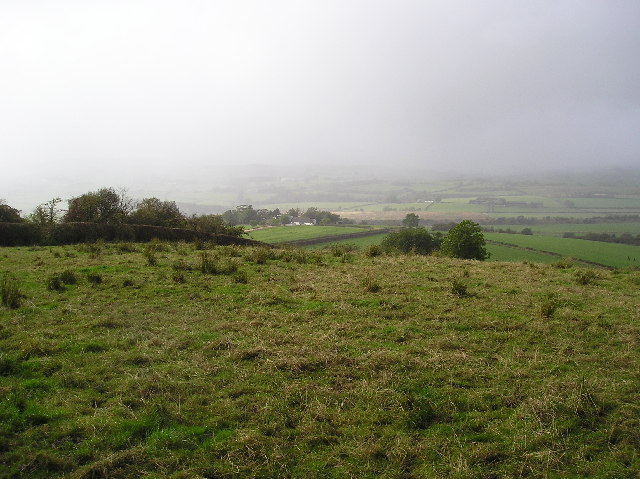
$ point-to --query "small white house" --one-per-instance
(302, 221)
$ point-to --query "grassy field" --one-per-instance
(505, 253)
(578, 228)
(285, 234)
(168, 362)
(360, 243)
(608, 254)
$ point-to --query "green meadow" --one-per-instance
(606, 254)
(167, 361)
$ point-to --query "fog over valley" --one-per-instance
(175, 99)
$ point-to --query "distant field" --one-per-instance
(578, 228)
(608, 254)
(506, 253)
(286, 234)
(360, 243)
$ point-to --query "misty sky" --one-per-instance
(115, 93)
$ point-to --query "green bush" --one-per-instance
(26, 234)
(411, 240)
(20, 234)
(466, 241)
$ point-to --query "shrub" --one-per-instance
(10, 292)
(412, 240)
(465, 241)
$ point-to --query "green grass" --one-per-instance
(384, 367)
(506, 253)
(577, 228)
(608, 254)
(360, 243)
(285, 234)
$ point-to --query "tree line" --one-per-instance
(112, 207)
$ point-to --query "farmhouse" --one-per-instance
(301, 221)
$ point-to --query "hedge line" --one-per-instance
(25, 234)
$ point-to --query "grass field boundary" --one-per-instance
(550, 253)
(328, 239)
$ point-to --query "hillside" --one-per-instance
(166, 361)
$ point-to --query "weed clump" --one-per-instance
(126, 247)
(150, 252)
(340, 250)
(564, 263)
(208, 265)
(549, 305)
(95, 249)
(586, 277)
(179, 277)
(94, 278)
(371, 286)
(68, 277)
(261, 255)
(182, 265)
(373, 251)
(241, 277)
(54, 283)
(459, 288)
(10, 292)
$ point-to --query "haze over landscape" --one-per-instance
(165, 96)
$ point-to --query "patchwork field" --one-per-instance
(606, 254)
(164, 361)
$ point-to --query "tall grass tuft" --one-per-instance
(10, 292)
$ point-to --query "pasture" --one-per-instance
(164, 361)
(607, 254)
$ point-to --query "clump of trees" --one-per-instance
(412, 240)
(9, 214)
(108, 214)
(464, 240)
(247, 215)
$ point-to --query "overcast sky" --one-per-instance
(116, 92)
